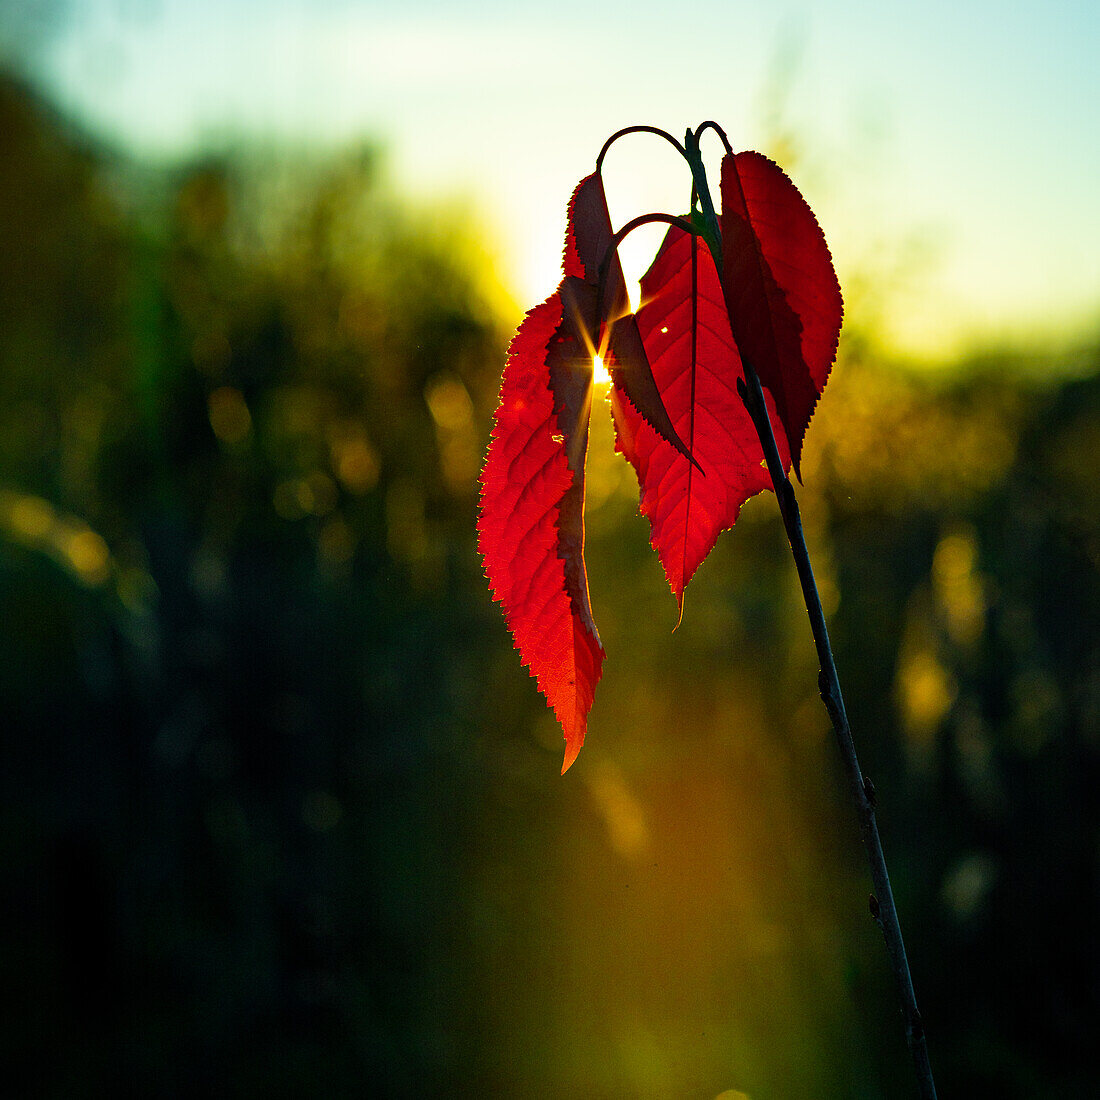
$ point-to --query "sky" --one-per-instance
(950, 149)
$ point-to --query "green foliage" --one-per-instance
(236, 505)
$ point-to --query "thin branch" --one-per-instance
(883, 908)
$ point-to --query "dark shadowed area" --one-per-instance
(280, 812)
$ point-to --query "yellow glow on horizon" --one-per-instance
(600, 374)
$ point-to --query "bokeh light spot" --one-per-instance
(229, 415)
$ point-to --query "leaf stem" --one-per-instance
(645, 219)
(883, 908)
(713, 235)
(704, 126)
(621, 234)
(635, 130)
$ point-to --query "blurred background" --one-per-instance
(280, 812)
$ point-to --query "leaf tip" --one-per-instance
(572, 751)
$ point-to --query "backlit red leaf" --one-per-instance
(781, 290)
(531, 527)
(587, 246)
(687, 507)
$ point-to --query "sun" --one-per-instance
(600, 374)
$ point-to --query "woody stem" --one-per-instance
(883, 908)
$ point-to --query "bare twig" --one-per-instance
(882, 905)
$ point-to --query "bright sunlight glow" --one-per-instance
(600, 375)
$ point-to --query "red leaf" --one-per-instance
(687, 507)
(587, 244)
(587, 238)
(531, 528)
(782, 292)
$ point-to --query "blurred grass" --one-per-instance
(280, 809)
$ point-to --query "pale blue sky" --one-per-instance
(965, 134)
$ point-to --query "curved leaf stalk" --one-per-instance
(883, 909)
(710, 125)
(620, 235)
(635, 130)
